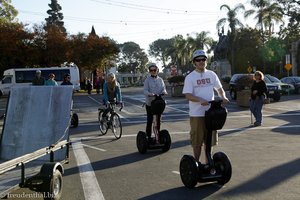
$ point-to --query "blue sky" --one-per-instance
(139, 21)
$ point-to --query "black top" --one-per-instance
(66, 83)
(261, 88)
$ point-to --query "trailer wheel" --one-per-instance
(74, 120)
(53, 187)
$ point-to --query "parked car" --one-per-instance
(273, 91)
(294, 80)
(284, 88)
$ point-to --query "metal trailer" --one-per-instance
(26, 160)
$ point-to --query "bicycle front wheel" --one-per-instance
(102, 124)
(116, 125)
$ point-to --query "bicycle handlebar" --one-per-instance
(115, 103)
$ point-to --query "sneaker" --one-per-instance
(257, 124)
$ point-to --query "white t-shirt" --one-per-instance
(201, 85)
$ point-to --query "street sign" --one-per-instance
(249, 69)
(288, 66)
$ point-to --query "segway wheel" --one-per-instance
(141, 142)
(223, 164)
(188, 171)
(165, 139)
(74, 120)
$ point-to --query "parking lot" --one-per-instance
(264, 159)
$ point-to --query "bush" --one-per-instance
(244, 82)
(226, 79)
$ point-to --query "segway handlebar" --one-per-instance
(156, 95)
(216, 101)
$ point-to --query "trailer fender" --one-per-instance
(48, 169)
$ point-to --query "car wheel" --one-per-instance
(232, 94)
(276, 97)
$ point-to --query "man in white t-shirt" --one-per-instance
(199, 88)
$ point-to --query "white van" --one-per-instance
(24, 76)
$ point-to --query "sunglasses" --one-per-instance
(200, 59)
(152, 70)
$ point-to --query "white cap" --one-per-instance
(38, 71)
(199, 53)
(152, 65)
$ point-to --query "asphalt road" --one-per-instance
(264, 159)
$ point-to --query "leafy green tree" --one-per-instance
(7, 12)
(291, 32)
(159, 49)
(55, 16)
(266, 13)
(177, 50)
(14, 42)
(132, 58)
(247, 44)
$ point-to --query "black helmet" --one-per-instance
(66, 75)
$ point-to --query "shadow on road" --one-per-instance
(116, 161)
(267, 180)
(200, 192)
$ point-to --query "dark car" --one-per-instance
(273, 91)
(283, 88)
(294, 80)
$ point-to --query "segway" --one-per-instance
(219, 166)
(160, 139)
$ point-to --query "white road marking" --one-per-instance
(175, 172)
(121, 116)
(92, 147)
(91, 188)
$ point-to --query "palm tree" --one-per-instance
(201, 41)
(233, 23)
(274, 13)
(231, 17)
(266, 13)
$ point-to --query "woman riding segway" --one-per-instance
(154, 88)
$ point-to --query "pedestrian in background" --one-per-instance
(51, 80)
(38, 79)
(67, 80)
(258, 96)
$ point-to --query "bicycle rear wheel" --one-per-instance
(102, 124)
(116, 125)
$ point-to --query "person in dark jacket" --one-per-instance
(38, 79)
(66, 80)
(258, 95)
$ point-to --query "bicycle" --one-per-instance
(112, 121)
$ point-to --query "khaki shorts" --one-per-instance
(199, 132)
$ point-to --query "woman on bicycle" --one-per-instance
(111, 92)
